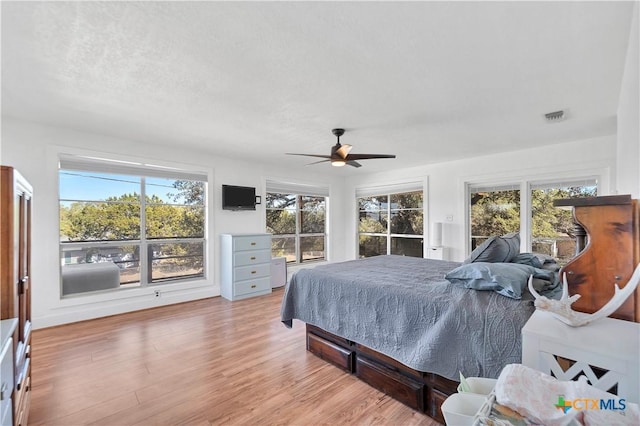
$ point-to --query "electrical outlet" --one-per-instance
(157, 293)
(450, 218)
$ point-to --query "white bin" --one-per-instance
(479, 385)
(278, 272)
(460, 409)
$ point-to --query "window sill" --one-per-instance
(137, 292)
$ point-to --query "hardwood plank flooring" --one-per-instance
(206, 362)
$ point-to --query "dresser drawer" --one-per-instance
(252, 272)
(256, 242)
(252, 286)
(251, 257)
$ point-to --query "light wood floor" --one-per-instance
(199, 363)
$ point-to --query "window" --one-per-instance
(391, 224)
(552, 228)
(496, 210)
(296, 217)
(149, 223)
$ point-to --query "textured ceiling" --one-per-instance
(428, 81)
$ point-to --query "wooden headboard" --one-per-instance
(611, 229)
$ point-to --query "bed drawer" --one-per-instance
(404, 389)
(330, 352)
(340, 341)
(389, 362)
(434, 402)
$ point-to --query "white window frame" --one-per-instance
(525, 185)
(299, 190)
(497, 186)
(111, 164)
(388, 190)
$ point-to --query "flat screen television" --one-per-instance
(238, 197)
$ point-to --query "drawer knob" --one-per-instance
(253, 243)
(253, 286)
(253, 272)
(253, 258)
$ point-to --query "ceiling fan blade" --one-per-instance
(310, 155)
(367, 156)
(317, 162)
(354, 163)
(343, 151)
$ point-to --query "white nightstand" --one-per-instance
(609, 346)
(436, 253)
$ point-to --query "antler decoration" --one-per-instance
(561, 309)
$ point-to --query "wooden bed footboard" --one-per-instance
(424, 392)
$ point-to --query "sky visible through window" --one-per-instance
(91, 186)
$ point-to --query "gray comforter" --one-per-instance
(404, 308)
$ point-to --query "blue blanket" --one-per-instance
(404, 308)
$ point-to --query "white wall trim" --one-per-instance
(100, 309)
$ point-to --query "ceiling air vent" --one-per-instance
(554, 116)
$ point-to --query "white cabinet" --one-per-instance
(7, 328)
(605, 351)
(245, 265)
(436, 253)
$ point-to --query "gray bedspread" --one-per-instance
(404, 308)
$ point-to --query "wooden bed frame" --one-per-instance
(424, 392)
(612, 225)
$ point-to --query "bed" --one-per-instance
(398, 299)
(361, 314)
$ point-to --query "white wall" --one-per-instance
(33, 148)
(628, 148)
(445, 194)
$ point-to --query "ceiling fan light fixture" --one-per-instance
(341, 154)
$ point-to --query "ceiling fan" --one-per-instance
(340, 154)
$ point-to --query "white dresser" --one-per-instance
(7, 369)
(245, 265)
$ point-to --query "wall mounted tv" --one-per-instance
(238, 197)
